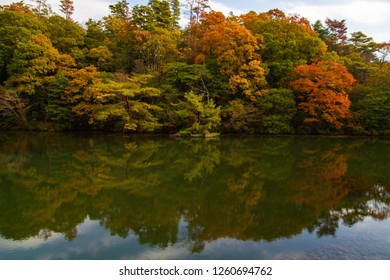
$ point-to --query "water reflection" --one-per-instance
(194, 192)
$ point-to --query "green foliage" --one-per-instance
(175, 8)
(120, 10)
(15, 28)
(287, 42)
(159, 47)
(198, 118)
(101, 57)
(240, 116)
(95, 34)
(128, 102)
(374, 111)
(184, 77)
(360, 69)
(33, 62)
(372, 108)
(64, 34)
(157, 14)
(278, 110)
(364, 45)
(59, 109)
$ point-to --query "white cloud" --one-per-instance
(225, 9)
(86, 9)
(372, 13)
(83, 9)
(32, 242)
(171, 252)
(370, 17)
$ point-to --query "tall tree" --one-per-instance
(157, 14)
(364, 45)
(175, 8)
(162, 13)
(337, 35)
(66, 6)
(321, 30)
(384, 51)
(120, 10)
(43, 8)
(159, 48)
(195, 8)
(120, 37)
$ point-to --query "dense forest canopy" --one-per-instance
(138, 70)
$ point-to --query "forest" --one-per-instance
(137, 70)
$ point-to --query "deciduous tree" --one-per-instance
(65, 35)
(285, 42)
(234, 47)
(17, 25)
(322, 92)
(13, 110)
(337, 39)
(33, 63)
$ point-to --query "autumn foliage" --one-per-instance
(322, 89)
(266, 72)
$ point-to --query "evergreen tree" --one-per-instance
(199, 119)
(120, 10)
(175, 7)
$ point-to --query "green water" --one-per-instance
(72, 196)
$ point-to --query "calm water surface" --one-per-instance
(67, 196)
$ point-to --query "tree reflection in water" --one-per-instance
(260, 188)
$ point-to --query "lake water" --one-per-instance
(83, 196)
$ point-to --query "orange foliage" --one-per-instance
(322, 92)
(234, 47)
(322, 184)
(82, 79)
(81, 93)
(250, 79)
(227, 40)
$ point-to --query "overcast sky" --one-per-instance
(372, 17)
